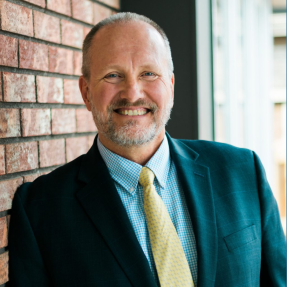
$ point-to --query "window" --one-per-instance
(249, 72)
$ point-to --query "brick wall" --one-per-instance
(43, 122)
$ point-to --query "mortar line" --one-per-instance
(71, 9)
(38, 146)
(2, 87)
(5, 158)
(105, 5)
(4, 213)
(19, 105)
(27, 172)
(51, 12)
(18, 52)
(51, 123)
(37, 40)
(37, 72)
(5, 141)
(33, 20)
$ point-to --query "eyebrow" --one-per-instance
(117, 67)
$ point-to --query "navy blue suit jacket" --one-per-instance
(69, 228)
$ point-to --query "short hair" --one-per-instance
(123, 17)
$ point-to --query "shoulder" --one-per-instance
(220, 155)
(61, 182)
(211, 148)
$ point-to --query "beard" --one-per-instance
(131, 133)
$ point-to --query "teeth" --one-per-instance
(133, 112)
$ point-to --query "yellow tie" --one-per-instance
(169, 257)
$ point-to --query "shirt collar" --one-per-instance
(126, 172)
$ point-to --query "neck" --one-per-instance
(139, 154)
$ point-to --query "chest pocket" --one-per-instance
(241, 237)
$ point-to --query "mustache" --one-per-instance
(124, 103)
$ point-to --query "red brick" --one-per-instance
(85, 122)
(77, 63)
(9, 123)
(49, 90)
(35, 122)
(2, 159)
(63, 121)
(90, 141)
(31, 177)
(52, 152)
(7, 190)
(46, 27)
(8, 51)
(100, 13)
(72, 34)
(33, 55)
(86, 31)
(60, 6)
(112, 3)
(83, 10)
(61, 60)
(4, 258)
(76, 147)
(16, 19)
(3, 232)
(21, 156)
(40, 3)
(19, 87)
(72, 92)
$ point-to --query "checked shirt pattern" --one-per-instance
(170, 260)
(126, 173)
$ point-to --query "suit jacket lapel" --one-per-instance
(195, 181)
(103, 205)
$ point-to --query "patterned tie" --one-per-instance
(169, 257)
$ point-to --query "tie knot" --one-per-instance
(146, 177)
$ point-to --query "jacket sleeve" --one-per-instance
(26, 266)
(273, 264)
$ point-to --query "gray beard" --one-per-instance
(125, 135)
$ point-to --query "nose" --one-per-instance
(132, 90)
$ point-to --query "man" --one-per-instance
(141, 208)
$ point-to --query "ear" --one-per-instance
(84, 88)
(172, 86)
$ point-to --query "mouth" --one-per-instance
(132, 112)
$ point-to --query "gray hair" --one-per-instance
(124, 17)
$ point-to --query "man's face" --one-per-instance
(130, 90)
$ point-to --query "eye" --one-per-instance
(113, 78)
(149, 76)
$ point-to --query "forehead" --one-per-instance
(134, 41)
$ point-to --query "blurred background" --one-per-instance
(249, 74)
(230, 75)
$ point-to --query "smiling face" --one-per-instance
(130, 90)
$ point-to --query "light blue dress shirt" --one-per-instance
(125, 174)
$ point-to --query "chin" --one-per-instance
(133, 135)
(133, 132)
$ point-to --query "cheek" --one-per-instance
(158, 92)
(103, 95)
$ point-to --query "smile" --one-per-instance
(132, 112)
